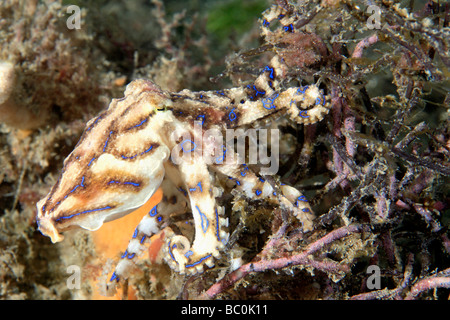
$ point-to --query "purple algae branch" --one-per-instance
(302, 258)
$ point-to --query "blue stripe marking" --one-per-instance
(217, 225)
(138, 125)
(154, 211)
(136, 155)
(114, 277)
(170, 252)
(126, 182)
(90, 162)
(198, 262)
(106, 142)
(75, 188)
(83, 212)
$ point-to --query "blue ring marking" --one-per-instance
(217, 225)
(90, 162)
(235, 180)
(82, 212)
(303, 114)
(321, 98)
(139, 124)
(106, 142)
(271, 70)
(124, 254)
(170, 252)
(266, 23)
(262, 93)
(299, 90)
(154, 211)
(318, 100)
(135, 233)
(200, 186)
(198, 262)
(204, 220)
(274, 193)
(232, 113)
(261, 179)
(302, 198)
(192, 189)
(131, 256)
(143, 239)
(258, 192)
(222, 157)
(159, 219)
(114, 277)
(189, 253)
(305, 210)
(271, 105)
(289, 28)
(187, 140)
(243, 173)
(202, 116)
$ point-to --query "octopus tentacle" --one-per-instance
(209, 225)
(173, 202)
(255, 187)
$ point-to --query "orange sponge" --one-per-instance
(113, 237)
